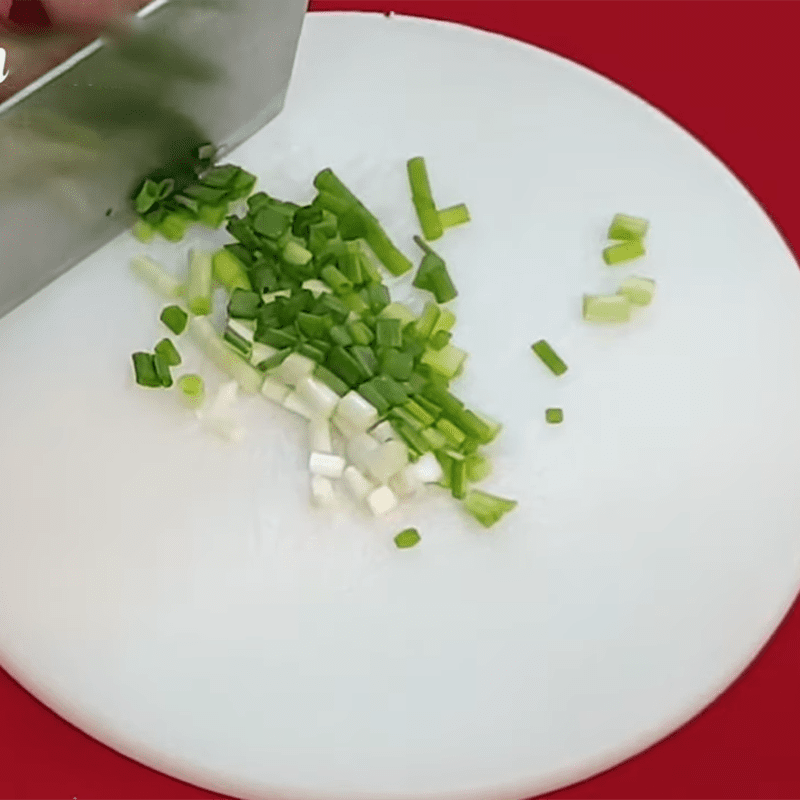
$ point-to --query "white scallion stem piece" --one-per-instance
(270, 297)
(427, 469)
(157, 277)
(261, 352)
(293, 369)
(383, 432)
(358, 450)
(317, 287)
(274, 391)
(381, 501)
(296, 405)
(386, 460)
(327, 465)
(359, 485)
(213, 346)
(320, 434)
(322, 491)
(320, 398)
(405, 483)
(356, 411)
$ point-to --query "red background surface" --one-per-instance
(728, 71)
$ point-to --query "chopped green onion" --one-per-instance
(147, 197)
(145, 370)
(376, 237)
(162, 370)
(433, 276)
(440, 339)
(339, 282)
(378, 297)
(271, 223)
(638, 291)
(173, 227)
(447, 361)
(366, 359)
(192, 390)
(175, 318)
(422, 414)
(331, 380)
(230, 272)
(158, 278)
(212, 216)
(198, 290)
(143, 231)
(454, 435)
(244, 304)
(423, 199)
(360, 332)
(549, 357)
(624, 226)
(624, 251)
(390, 389)
(370, 393)
(407, 538)
(435, 439)
(239, 343)
(424, 326)
(166, 349)
(398, 311)
(247, 376)
(396, 363)
(487, 508)
(478, 467)
(458, 477)
(606, 308)
(455, 215)
(554, 416)
(389, 332)
(296, 254)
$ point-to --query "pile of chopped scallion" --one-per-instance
(311, 326)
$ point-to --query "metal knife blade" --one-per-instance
(74, 144)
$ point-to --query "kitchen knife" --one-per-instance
(76, 142)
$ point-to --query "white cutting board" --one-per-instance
(176, 597)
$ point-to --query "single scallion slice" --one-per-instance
(162, 368)
(423, 199)
(244, 304)
(247, 376)
(389, 332)
(487, 508)
(192, 390)
(396, 363)
(447, 361)
(454, 215)
(175, 318)
(198, 289)
(624, 226)
(554, 416)
(549, 357)
(144, 368)
(230, 272)
(606, 308)
(478, 467)
(433, 276)
(167, 350)
(158, 278)
(143, 231)
(638, 291)
(407, 538)
(622, 252)
(458, 477)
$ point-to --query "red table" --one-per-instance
(727, 70)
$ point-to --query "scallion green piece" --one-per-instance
(192, 390)
(549, 357)
(433, 276)
(487, 508)
(331, 380)
(622, 252)
(230, 272)
(145, 370)
(167, 350)
(389, 332)
(336, 279)
(606, 308)
(454, 215)
(623, 226)
(360, 332)
(423, 327)
(162, 370)
(447, 361)
(173, 227)
(158, 278)
(198, 290)
(478, 467)
(143, 231)
(244, 304)
(212, 216)
(423, 199)
(458, 477)
(209, 341)
(554, 416)
(407, 538)
(376, 237)
(175, 318)
(638, 291)
(396, 363)
(439, 340)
